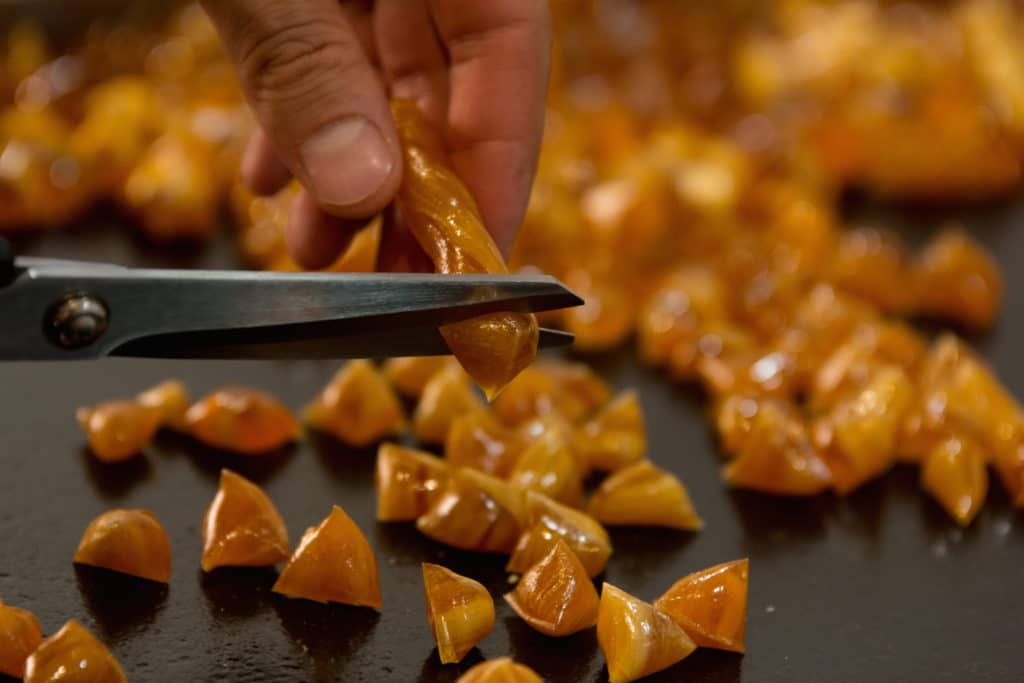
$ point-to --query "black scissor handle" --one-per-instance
(6, 261)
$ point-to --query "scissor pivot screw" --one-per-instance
(77, 320)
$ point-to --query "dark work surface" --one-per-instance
(878, 587)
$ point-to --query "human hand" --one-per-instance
(318, 75)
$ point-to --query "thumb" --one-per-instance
(319, 100)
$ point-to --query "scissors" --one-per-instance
(75, 310)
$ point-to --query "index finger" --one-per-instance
(500, 53)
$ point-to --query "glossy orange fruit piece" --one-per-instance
(555, 596)
(476, 512)
(875, 265)
(460, 611)
(711, 605)
(969, 398)
(637, 640)
(955, 474)
(73, 655)
(551, 387)
(617, 436)
(549, 521)
(853, 363)
(959, 280)
(673, 313)
(733, 416)
(644, 495)
(479, 441)
(332, 563)
(501, 670)
(410, 375)
(242, 528)
(118, 430)
(357, 406)
(127, 541)
(778, 457)
(408, 482)
(446, 396)
(171, 399)
(20, 635)
(607, 317)
(858, 438)
(242, 420)
(548, 465)
(443, 217)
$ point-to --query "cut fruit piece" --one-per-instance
(127, 541)
(460, 611)
(20, 635)
(476, 512)
(242, 528)
(408, 482)
(616, 437)
(73, 655)
(637, 640)
(858, 438)
(242, 420)
(171, 399)
(447, 396)
(549, 521)
(502, 670)
(357, 406)
(711, 605)
(118, 430)
(551, 387)
(332, 563)
(555, 596)
(959, 280)
(410, 375)
(479, 441)
(778, 457)
(644, 495)
(548, 465)
(955, 475)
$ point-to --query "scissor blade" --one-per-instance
(201, 305)
(369, 344)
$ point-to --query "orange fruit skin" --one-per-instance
(20, 635)
(332, 563)
(502, 670)
(711, 605)
(242, 420)
(242, 527)
(460, 611)
(119, 430)
(410, 375)
(637, 640)
(357, 407)
(955, 474)
(408, 482)
(447, 396)
(73, 655)
(476, 512)
(127, 541)
(443, 217)
(644, 495)
(616, 437)
(549, 521)
(479, 441)
(171, 399)
(555, 596)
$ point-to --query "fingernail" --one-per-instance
(347, 161)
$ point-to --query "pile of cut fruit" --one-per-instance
(510, 481)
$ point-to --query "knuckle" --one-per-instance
(294, 60)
